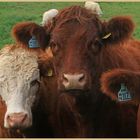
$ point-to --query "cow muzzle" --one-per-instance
(74, 81)
(17, 120)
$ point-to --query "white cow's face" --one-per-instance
(19, 76)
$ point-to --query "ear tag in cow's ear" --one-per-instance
(33, 43)
(106, 36)
(124, 93)
(50, 72)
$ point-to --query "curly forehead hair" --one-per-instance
(74, 13)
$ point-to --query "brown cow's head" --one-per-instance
(83, 47)
(111, 84)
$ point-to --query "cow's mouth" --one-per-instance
(75, 92)
(18, 127)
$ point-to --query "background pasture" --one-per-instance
(13, 12)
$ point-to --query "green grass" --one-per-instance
(13, 12)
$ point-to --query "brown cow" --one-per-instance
(84, 47)
(111, 82)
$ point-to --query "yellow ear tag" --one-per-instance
(50, 72)
(106, 36)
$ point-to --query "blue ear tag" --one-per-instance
(124, 94)
(33, 43)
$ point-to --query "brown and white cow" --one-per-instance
(84, 47)
(19, 76)
(20, 80)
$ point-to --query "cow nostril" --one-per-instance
(82, 78)
(65, 79)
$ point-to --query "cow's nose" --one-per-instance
(16, 120)
(74, 81)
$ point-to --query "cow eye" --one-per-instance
(34, 82)
(98, 43)
(54, 47)
(95, 47)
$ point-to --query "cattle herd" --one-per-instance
(75, 76)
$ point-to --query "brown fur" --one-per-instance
(23, 32)
(111, 81)
(125, 26)
(77, 46)
(63, 115)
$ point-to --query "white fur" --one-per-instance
(94, 7)
(18, 68)
(49, 15)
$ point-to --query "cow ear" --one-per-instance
(117, 29)
(111, 82)
(24, 31)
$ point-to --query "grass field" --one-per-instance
(13, 12)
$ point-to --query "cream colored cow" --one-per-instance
(19, 76)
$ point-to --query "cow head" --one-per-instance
(111, 83)
(19, 74)
(80, 42)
